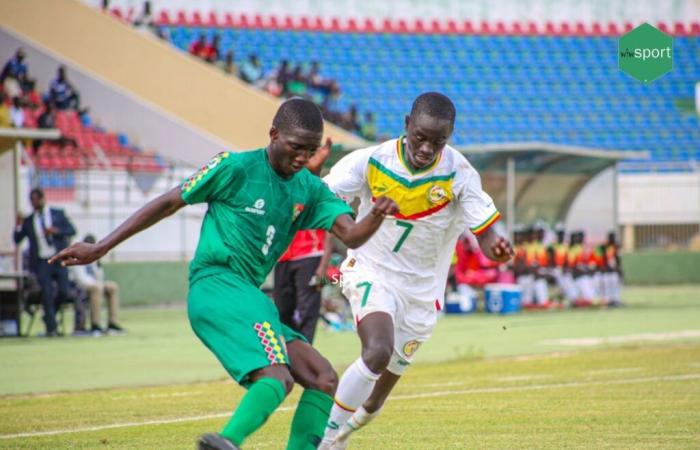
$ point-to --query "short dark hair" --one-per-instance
(298, 113)
(434, 104)
(36, 191)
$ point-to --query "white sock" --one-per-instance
(354, 388)
(357, 421)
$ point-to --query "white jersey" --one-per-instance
(414, 248)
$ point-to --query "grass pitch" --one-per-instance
(626, 378)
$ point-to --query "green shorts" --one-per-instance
(239, 324)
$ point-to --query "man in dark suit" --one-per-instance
(49, 231)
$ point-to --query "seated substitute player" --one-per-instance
(396, 281)
(257, 201)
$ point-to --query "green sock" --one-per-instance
(310, 420)
(262, 398)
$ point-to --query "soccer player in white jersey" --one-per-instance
(395, 282)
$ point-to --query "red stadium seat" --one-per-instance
(369, 25)
(228, 21)
(436, 27)
(452, 26)
(468, 27)
(565, 29)
(549, 28)
(612, 29)
(517, 28)
(418, 26)
(580, 29)
(596, 29)
(181, 18)
(163, 18)
(273, 23)
(245, 22)
(213, 19)
(319, 25)
(387, 26)
(679, 29)
(532, 28)
(335, 24)
(116, 12)
(663, 27)
(304, 23)
(197, 19)
(352, 25)
(402, 27)
(500, 28)
(258, 21)
(628, 27)
(485, 27)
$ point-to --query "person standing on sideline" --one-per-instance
(91, 278)
(49, 231)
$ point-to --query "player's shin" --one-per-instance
(309, 420)
(261, 400)
(354, 388)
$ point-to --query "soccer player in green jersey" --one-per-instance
(257, 201)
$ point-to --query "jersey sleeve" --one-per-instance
(348, 176)
(478, 208)
(323, 209)
(211, 181)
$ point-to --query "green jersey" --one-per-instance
(254, 213)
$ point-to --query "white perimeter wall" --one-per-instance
(537, 11)
(643, 199)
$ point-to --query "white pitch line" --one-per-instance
(612, 371)
(523, 377)
(532, 387)
(598, 340)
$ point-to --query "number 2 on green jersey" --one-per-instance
(408, 227)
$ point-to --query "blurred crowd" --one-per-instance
(550, 270)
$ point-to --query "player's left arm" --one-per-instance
(494, 246)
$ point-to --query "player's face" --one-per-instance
(292, 149)
(426, 137)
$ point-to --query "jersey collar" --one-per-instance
(401, 153)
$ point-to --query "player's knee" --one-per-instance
(327, 381)
(377, 357)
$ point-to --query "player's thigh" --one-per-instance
(367, 292)
(238, 323)
(310, 369)
(415, 323)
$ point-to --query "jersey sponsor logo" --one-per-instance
(296, 211)
(437, 194)
(257, 208)
(410, 347)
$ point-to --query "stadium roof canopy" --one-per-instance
(538, 181)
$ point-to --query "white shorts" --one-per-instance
(371, 291)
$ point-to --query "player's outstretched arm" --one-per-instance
(495, 247)
(151, 213)
(354, 234)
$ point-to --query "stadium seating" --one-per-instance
(561, 88)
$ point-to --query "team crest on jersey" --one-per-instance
(436, 194)
(201, 173)
(410, 347)
(297, 210)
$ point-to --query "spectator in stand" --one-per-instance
(17, 113)
(62, 93)
(277, 79)
(47, 120)
(317, 82)
(229, 65)
(49, 231)
(251, 70)
(5, 120)
(369, 127)
(144, 21)
(31, 97)
(211, 51)
(350, 120)
(198, 47)
(15, 68)
(90, 277)
(296, 84)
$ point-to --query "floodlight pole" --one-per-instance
(510, 196)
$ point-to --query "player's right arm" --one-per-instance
(150, 214)
(354, 234)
